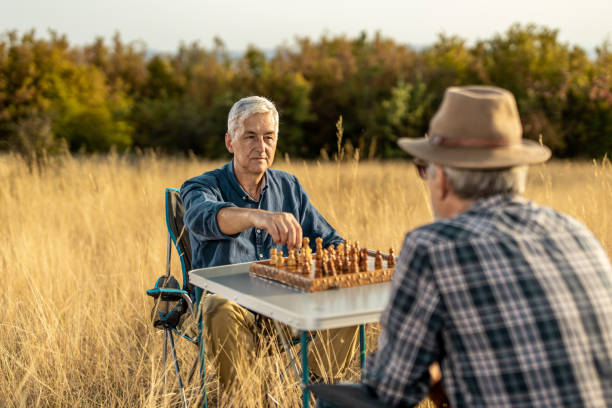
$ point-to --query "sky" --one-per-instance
(164, 24)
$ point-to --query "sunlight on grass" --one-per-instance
(83, 240)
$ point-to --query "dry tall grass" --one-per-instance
(83, 240)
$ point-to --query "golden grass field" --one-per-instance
(84, 239)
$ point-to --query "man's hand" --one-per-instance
(436, 392)
(283, 227)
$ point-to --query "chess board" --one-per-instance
(313, 278)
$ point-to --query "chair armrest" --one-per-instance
(346, 395)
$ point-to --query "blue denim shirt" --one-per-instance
(203, 196)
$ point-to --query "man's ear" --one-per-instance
(228, 143)
(445, 187)
(440, 183)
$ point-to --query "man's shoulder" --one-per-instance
(283, 181)
(518, 218)
(442, 231)
(282, 176)
(207, 179)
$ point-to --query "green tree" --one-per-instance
(538, 69)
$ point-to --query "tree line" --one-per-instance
(92, 97)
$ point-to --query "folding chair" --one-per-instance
(168, 291)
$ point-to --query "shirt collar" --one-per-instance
(496, 200)
(229, 167)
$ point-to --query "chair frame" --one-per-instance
(184, 295)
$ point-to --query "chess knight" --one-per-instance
(238, 213)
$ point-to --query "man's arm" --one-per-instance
(408, 345)
(203, 200)
(209, 217)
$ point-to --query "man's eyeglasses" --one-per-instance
(421, 168)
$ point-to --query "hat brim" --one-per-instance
(528, 152)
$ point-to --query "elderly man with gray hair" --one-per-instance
(513, 300)
(237, 213)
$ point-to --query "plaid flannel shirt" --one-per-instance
(515, 302)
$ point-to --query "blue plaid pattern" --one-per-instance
(515, 302)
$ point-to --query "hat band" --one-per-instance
(440, 140)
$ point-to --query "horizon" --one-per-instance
(163, 27)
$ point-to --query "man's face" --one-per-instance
(255, 145)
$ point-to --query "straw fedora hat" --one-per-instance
(476, 127)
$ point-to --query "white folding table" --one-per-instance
(303, 311)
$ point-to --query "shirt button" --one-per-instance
(261, 255)
(258, 230)
(244, 198)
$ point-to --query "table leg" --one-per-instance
(288, 349)
(201, 344)
(305, 371)
(362, 346)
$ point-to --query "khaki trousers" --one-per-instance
(231, 333)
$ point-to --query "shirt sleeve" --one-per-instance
(409, 343)
(313, 223)
(202, 203)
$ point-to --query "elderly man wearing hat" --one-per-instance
(513, 300)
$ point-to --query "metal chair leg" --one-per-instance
(178, 372)
(164, 354)
(361, 346)
(288, 349)
(193, 369)
(305, 371)
(202, 359)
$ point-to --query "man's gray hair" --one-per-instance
(246, 107)
(475, 184)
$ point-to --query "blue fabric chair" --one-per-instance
(172, 299)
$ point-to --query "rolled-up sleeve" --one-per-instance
(202, 203)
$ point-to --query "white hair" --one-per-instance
(247, 107)
(474, 184)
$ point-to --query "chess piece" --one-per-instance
(338, 263)
(319, 244)
(305, 243)
(363, 260)
(305, 269)
(318, 266)
(346, 264)
(280, 262)
(340, 250)
(308, 256)
(331, 266)
(331, 250)
(354, 267)
(291, 261)
(273, 257)
(378, 260)
(324, 258)
(391, 259)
